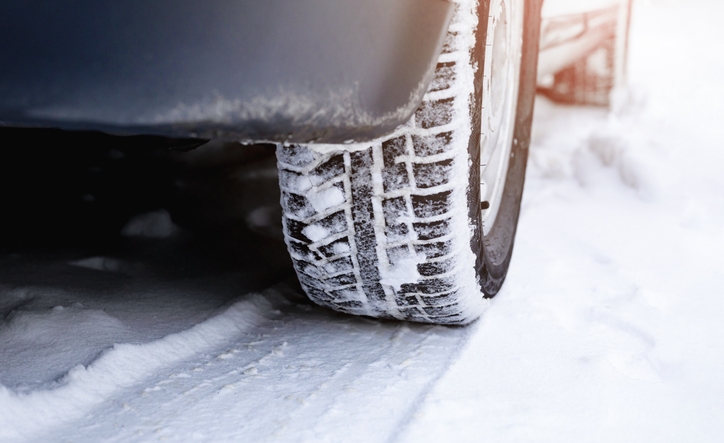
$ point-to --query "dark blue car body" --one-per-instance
(274, 70)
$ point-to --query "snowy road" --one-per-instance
(609, 327)
(163, 361)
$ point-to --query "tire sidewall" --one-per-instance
(494, 251)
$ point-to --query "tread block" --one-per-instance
(431, 286)
(444, 77)
(427, 145)
(436, 311)
(295, 155)
(394, 255)
(347, 294)
(434, 113)
(319, 294)
(428, 175)
(335, 248)
(294, 181)
(450, 43)
(326, 227)
(307, 280)
(452, 319)
(395, 177)
(311, 270)
(393, 148)
(395, 233)
(440, 300)
(301, 249)
(328, 170)
(329, 225)
(435, 250)
(435, 268)
(394, 208)
(341, 265)
(412, 314)
(350, 305)
(432, 230)
(408, 300)
(331, 197)
(297, 205)
(308, 271)
(431, 205)
(341, 280)
(295, 228)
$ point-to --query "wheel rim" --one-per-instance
(501, 76)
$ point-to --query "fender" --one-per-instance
(273, 70)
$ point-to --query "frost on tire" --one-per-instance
(383, 228)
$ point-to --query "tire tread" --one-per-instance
(402, 208)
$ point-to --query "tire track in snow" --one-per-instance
(266, 369)
(122, 366)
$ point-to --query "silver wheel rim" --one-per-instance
(501, 75)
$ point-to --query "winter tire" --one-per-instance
(419, 225)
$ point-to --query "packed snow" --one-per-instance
(608, 327)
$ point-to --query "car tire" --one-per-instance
(400, 227)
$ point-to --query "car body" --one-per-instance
(324, 71)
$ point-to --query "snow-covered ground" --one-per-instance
(609, 326)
